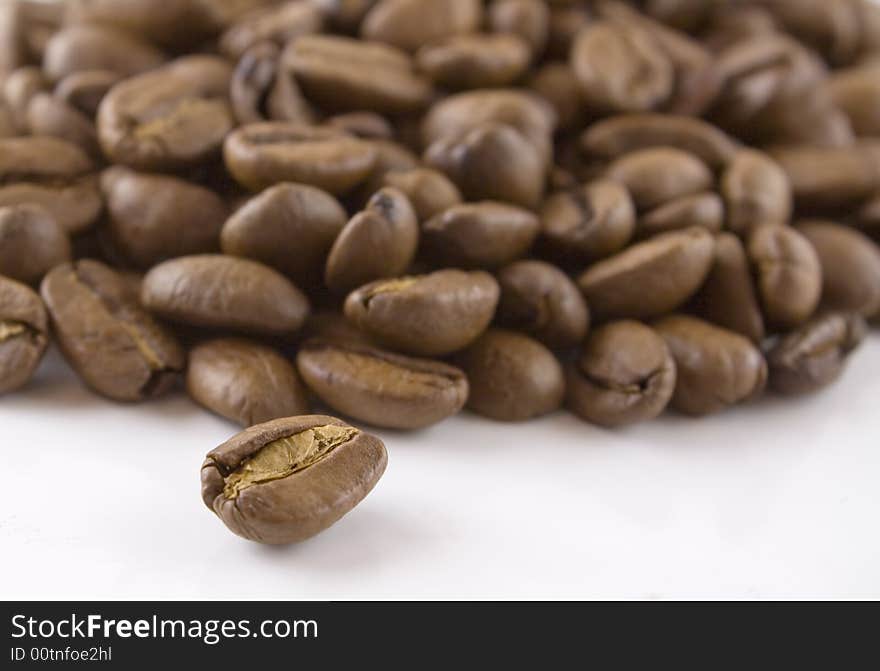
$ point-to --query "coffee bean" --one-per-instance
(815, 355)
(85, 90)
(289, 479)
(705, 209)
(857, 92)
(625, 374)
(850, 267)
(557, 84)
(756, 191)
(24, 334)
(12, 46)
(480, 235)
(53, 174)
(717, 368)
(589, 222)
(263, 154)
(390, 156)
(278, 24)
(245, 382)
(427, 315)
(152, 218)
(79, 48)
(109, 340)
(49, 116)
(788, 274)
(650, 278)
(31, 243)
(289, 227)
(223, 292)
(529, 19)
(171, 118)
(540, 299)
(379, 242)
(18, 88)
(343, 74)
(365, 125)
(656, 176)
(512, 377)
(261, 91)
(408, 24)
(475, 61)
(429, 191)
(379, 387)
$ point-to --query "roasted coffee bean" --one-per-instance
(480, 235)
(347, 75)
(263, 154)
(728, 297)
(379, 387)
(834, 28)
(13, 52)
(79, 48)
(24, 334)
(85, 90)
(624, 375)
(261, 91)
(379, 242)
(427, 315)
(850, 267)
(224, 292)
(53, 174)
(527, 18)
(475, 61)
(290, 227)
(540, 299)
(651, 278)
(512, 377)
(815, 355)
(857, 92)
(705, 210)
(18, 88)
(245, 382)
(756, 191)
(589, 222)
(171, 118)
(716, 368)
(118, 349)
(31, 243)
(52, 117)
(656, 176)
(621, 68)
(429, 191)
(279, 24)
(557, 84)
(408, 24)
(365, 125)
(289, 479)
(152, 218)
(788, 274)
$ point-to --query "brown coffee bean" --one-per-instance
(541, 300)
(512, 377)
(24, 334)
(588, 222)
(705, 210)
(379, 242)
(492, 161)
(13, 53)
(31, 243)
(429, 191)
(834, 28)
(658, 175)
(108, 339)
(85, 90)
(850, 267)
(621, 68)
(365, 125)
(717, 368)
(557, 84)
(475, 61)
(151, 218)
(167, 119)
(339, 73)
(408, 24)
(279, 24)
(379, 387)
(53, 174)
(857, 92)
(245, 382)
(263, 154)
(261, 91)
(290, 227)
(816, 354)
(52, 117)
(286, 480)
(728, 297)
(529, 19)
(223, 292)
(77, 48)
(18, 88)
(650, 278)
(756, 191)
(480, 235)
(788, 274)
(426, 315)
(624, 375)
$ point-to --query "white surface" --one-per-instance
(778, 499)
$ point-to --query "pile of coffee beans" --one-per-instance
(396, 209)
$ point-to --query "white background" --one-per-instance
(777, 499)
